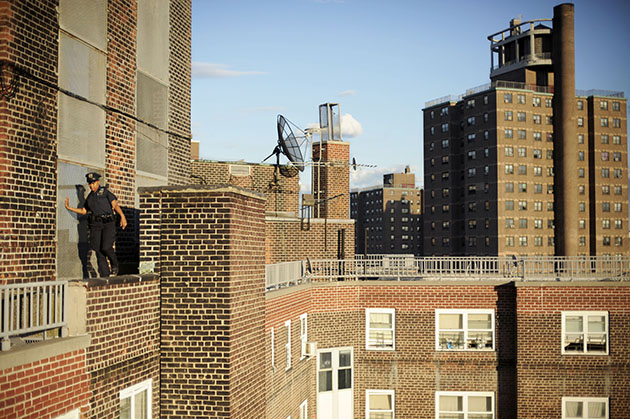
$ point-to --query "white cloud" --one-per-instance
(350, 127)
(201, 70)
(348, 92)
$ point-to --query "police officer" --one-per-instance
(100, 206)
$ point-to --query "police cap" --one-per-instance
(92, 177)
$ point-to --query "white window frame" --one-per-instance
(368, 393)
(372, 347)
(273, 349)
(304, 409)
(465, 395)
(584, 315)
(136, 389)
(287, 346)
(303, 335)
(73, 414)
(465, 313)
(586, 401)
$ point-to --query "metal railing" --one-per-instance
(408, 267)
(284, 274)
(32, 308)
(599, 92)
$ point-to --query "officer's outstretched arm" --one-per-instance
(123, 220)
(80, 211)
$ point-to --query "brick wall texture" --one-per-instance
(332, 174)
(210, 256)
(123, 321)
(46, 388)
(284, 198)
(28, 126)
(526, 365)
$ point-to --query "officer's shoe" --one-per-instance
(114, 271)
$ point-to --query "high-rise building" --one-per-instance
(389, 216)
(527, 165)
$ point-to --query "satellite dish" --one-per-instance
(289, 144)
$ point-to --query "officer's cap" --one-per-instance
(92, 177)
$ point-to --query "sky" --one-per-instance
(380, 60)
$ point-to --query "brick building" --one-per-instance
(527, 165)
(388, 217)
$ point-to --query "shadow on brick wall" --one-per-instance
(128, 242)
(506, 349)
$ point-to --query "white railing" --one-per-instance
(284, 274)
(533, 268)
(31, 308)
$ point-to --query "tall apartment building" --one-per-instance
(527, 165)
(388, 217)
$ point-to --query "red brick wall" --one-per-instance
(294, 239)
(46, 388)
(28, 128)
(333, 175)
(124, 324)
(285, 198)
(542, 369)
(179, 92)
(415, 370)
(208, 246)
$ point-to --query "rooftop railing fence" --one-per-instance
(31, 308)
(467, 268)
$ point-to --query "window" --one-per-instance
(616, 139)
(470, 103)
(580, 105)
(444, 111)
(606, 224)
(444, 127)
(537, 136)
(522, 187)
(520, 116)
(584, 407)
(380, 329)
(581, 156)
(472, 155)
(464, 405)
(580, 138)
(581, 189)
(432, 130)
(617, 190)
(507, 115)
(485, 117)
(618, 206)
(616, 123)
(618, 241)
(522, 152)
(287, 345)
(508, 133)
(616, 106)
(471, 120)
(603, 122)
(509, 223)
(584, 332)
(509, 187)
(538, 241)
(582, 241)
(548, 102)
(486, 135)
(580, 121)
(509, 169)
(135, 401)
(471, 137)
(604, 138)
(509, 241)
(521, 134)
(537, 119)
(472, 224)
(537, 206)
(522, 205)
(464, 330)
(581, 172)
(605, 190)
(538, 188)
(522, 169)
(522, 241)
(618, 224)
(538, 223)
(304, 410)
(485, 100)
(606, 206)
(581, 207)
(616, 156)
(509, 205)
(509, 151)
(549, 120)
(303, 335)
(603, 104)
(522, 223)
(617, 173)
(445, 143)
(537, 171)
(507, 97)
(536, 102)
(379, 404)
(537, 153)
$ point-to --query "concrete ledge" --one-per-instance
(575, 283)
(116, 280)
(32, 352)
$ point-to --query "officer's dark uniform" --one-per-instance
(102, 222)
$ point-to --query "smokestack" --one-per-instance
(565, 129)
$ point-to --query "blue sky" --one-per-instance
(380, 60)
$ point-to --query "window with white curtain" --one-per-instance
(584, 332)
(380, 328)
(464, 405)
(584, 408)
(379, 404)
(464, 330)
